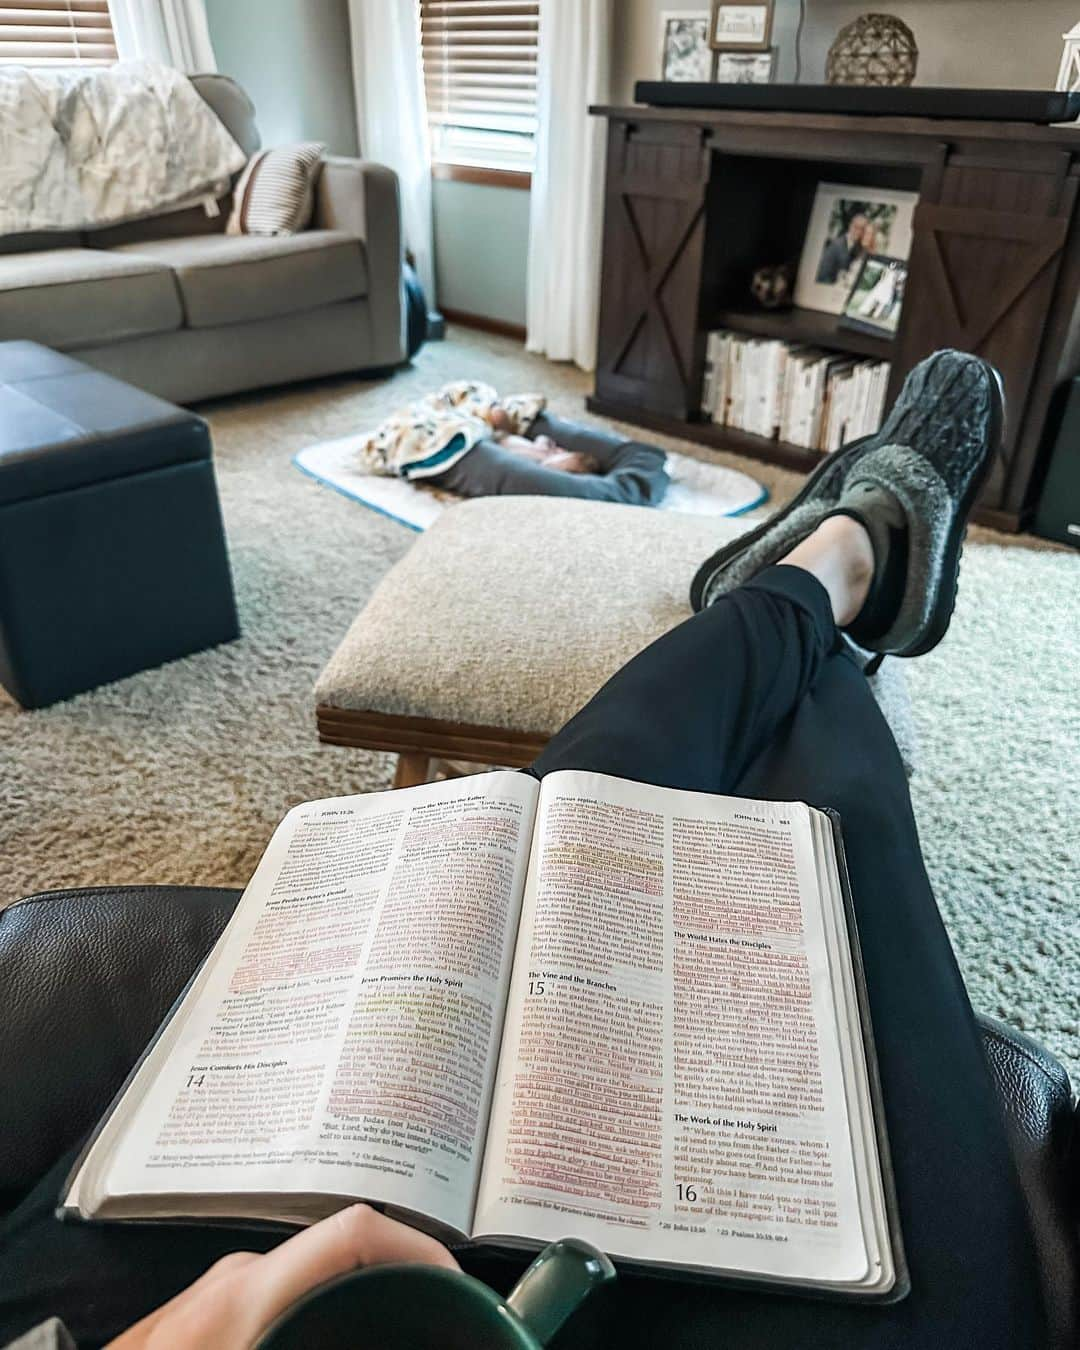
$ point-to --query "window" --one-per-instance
(56, 33)
(480, 78)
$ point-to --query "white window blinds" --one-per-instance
(56, 33)
(480, 80)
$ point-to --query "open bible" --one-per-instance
(509, 1011)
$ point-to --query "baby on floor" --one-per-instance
(430, 436)
(470, 441)
(541, 449)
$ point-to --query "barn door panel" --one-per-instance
(654, 229)
(985, 259)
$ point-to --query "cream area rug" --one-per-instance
(696, 488)
(180, 774)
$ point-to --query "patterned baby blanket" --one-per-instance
(433, 433)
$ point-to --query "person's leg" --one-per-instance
(755, 696)
(758, 697)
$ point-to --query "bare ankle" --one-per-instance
(840, 555)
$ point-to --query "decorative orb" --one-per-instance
(875, 49)
(772, 287)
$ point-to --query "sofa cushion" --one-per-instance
(165, 225)
(72, 297)
(240, 278)
(39, 239)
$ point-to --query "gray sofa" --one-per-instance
(174, 305)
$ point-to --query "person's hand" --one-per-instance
(239, 1297)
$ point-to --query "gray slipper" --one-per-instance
(916, 492)
(760, 547)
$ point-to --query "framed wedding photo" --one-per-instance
(743, 28)
(685, 53)
(848, 224)
(877, 297)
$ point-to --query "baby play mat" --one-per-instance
(697, 488)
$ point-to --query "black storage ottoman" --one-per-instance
(112, 551)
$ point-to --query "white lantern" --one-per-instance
(1069, 74)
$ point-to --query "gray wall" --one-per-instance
(292, 57)
(481, 249)
(998, 44)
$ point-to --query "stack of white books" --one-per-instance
(800, 395)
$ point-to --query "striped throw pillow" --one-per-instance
(276, 192)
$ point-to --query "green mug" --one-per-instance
(415, 1307)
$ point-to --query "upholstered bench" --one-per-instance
(506, 617)
(112, 552)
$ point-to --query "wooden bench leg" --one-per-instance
(412, 768)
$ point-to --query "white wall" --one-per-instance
(997, 44)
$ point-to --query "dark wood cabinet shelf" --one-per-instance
(708, 433)
(695, 201)
(805, 326)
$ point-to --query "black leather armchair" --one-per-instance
(87, 975)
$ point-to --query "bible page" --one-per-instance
(342, 1039)
(670, 1085)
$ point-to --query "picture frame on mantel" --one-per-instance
(847, 223)
(745, 67)
(744, 27)
(685, 53)
(877, 296)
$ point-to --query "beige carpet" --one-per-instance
(180, 774)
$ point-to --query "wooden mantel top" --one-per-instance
(1063, 134)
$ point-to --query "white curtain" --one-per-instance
(568, 181)
(391, 111)
(174, 32)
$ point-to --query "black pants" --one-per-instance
(755, 697)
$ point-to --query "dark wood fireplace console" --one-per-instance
(696, 200)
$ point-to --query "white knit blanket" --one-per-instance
(80, 148)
